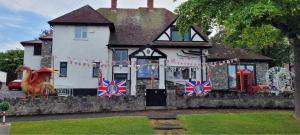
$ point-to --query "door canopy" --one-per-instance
(148, 52)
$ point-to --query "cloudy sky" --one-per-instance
(22, 20)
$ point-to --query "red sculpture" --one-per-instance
(34, 81)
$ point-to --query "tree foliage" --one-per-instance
(10, 60)
(251, 23)
(248, 22)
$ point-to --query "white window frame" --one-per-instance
(81, 32)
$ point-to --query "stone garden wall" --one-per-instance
(93, 104)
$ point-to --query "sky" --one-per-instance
(22, 20)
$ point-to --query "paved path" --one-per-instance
(149, 113)
(4, 130)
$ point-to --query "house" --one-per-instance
(140, 45)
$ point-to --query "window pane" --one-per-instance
(121, 57)
(176, 36)
(187, 36)
(37, 50)
(84, 34)
(241, 67)
(77, 32)
(232, 76)
(146, 68)
(185, 74)
(63, 69)
(96, 69)
(193, 73)
(251, 67)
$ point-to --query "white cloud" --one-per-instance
(55, 8)
(10, 45)
(11, 21)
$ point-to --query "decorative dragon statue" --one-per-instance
(34, 81)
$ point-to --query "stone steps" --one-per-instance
(166, 125)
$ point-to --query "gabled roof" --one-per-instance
(147, 51)
(83, 16)
(137, 27)
(218, 52)
(31, 42)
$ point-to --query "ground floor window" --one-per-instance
(147, 68)
(63, 70)
(181, 73)
(96, 69)
(232, 69)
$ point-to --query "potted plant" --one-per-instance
(4, 106)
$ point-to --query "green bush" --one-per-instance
(4, 106)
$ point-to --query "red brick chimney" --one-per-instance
(114, 4)
(150, 4)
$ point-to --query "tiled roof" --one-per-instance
(31, 42)
(218, 52)
(83, 16)
(47, 37)
(137, 26)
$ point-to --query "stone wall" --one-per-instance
(220, 74)
(220, 77)
(93, 104)
(67, 105)
(230, 101)
(46, 54)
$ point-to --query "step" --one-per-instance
(160, 117)
(156, 108)
(168, 127)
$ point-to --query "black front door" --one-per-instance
(156, 97)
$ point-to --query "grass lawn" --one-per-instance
(110, 125)
(277, 122)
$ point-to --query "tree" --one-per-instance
(251, 23)
(10, 60)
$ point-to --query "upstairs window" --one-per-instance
(175, 35)
(37, 50)
(80, 32)
(120, 57)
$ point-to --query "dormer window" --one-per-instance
(175, 35)
(80, 32)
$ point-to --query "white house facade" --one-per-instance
(142, 46)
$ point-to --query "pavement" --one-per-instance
(5, 93)
(4, 129)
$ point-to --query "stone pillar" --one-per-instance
(162, 78)
(133, 76)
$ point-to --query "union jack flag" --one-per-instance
(112, 88)
(197, 87)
